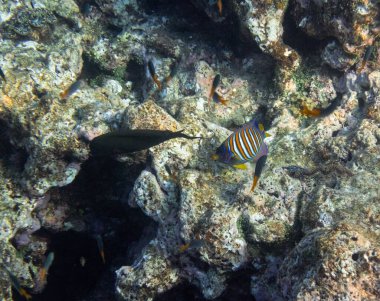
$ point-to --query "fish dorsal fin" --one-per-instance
(261, 127)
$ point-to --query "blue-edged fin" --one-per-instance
(240, 166)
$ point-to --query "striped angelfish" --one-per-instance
(243, 145)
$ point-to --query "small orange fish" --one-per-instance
(153, 74)
(220, 7)
(311, 113)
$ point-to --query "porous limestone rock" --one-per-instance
(152, 274)
(342, 262)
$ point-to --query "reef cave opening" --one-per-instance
(296, 38)
(238, 288)
(186, 20)
(94, 204)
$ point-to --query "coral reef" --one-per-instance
(169, 215)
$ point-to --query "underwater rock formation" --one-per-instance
(342, 262)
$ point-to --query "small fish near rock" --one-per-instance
(244, 145)
(129, 141)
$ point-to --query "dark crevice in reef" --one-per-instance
(12, 157)
(296, 38)
(95, 205)
(238, 288)
(187, 21)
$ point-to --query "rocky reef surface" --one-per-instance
(310, 230)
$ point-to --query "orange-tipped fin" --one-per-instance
(311, 113)
(220, 7)
(222, 100)
(64, 94)
(103, 256)
(25, 294)
(43, 274)
(255, 180)
(157, 82)
(184, 247)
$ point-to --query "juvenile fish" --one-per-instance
(153, 74)
(193, 244)
(47, 264)
(2, 75)
(215, 84)
(71, 90)
(129, 141)
(99, 242)
(244, 145)
(16, 284)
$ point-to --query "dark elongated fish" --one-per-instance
(154, 76)
(99, 242)
(244, 145)
(129, 141)
(215, 84)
